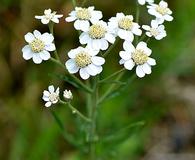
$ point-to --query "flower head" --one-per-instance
(157, 31)
(124, 27)
(38, 46)
(82, 17)
(142, 2)
(49, 16)
(97, 36)
(85, 61)
(138, 56)
(67, 95)
(160, 11)
(51, 96)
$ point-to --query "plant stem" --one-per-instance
(93, 117)
(110, 48)
(52, 32)
(137, 18)
(112, 75)
(74, 3)
(75, 111)
(110, 89)
(83, 3)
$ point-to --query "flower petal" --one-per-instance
(48, 104)
(36, 58)
(45, 55)
(29, 37)
(129, 64)
(98, 60)
(27, 53)
(51, 89)
(83, 73)
(139, 71)
(146, 68)
(124, 55)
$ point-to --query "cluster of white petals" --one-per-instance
(137, 56)
(160, 11)
(49, 16)
(155, 30)
(38, 46)
(85, 61)
(124, 27)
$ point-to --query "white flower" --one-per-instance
(38, 46)
(51, 96)
(82, 17)
(138, 56)
(49, 16)
(67, 95)
(85, 61)
(157, 31)
(124, 26)
(160, 11)
(97, 36)
(142, 2)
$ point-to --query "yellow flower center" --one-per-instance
(139, 57)
(125, 23)
(53, 97)
(154, 32)
(37, 45)
(83, 59)
(83, 14)
(97, 31)
(162, 10)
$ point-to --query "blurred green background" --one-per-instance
(163, 101)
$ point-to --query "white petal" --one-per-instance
(47, 38)
(141, 46)
(163, 4)
(97, 44)
(125, 55)
(84, 26)
(151, 61)
(145, 27)
(110, 38)
(48, 104)
(45, 55)
(27, 53)
(126, 35)
(122, 61)
(168, 18)
(36, 58)
(92, 69)
(98, 60)
(29, 37)
(55, 20)
(83, 73)
(45, 20)
(139, 71)
(71, 66)
(146, 68)
(72, 53)
(128, 46)
(129, 64)
(45, 98)
(99, 69)
(70, 19)
(50, 47)
(137, 31)
(39, 17)
(47, 11)
(51, 89)
(104, 44)
(84, 38)
(96, 15)
(37, 34)
(142, 2)
(46, 93)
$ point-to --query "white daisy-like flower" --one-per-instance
(97, 36)
(143, 2)
(38, 46)
(138, 57)
(160, 11)
(82, 17)
(155, 30)
(124, 27)
(49, 16)
(67, 94)
(85, 61)
(51, 96)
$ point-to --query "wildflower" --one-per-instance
(97, 36)
(138, 56)
(160, 11)
(85, 61)
(124, 26)
(67, 95)
(157, 31)
(38, 46)
(82, 17)
(51, 96)
(49, 16)
(142, 2)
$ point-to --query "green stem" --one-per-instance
(112, 75)
(57, 62)
(110, 48)
(93, 116)
(74, 3)
(110, 89)
(83, 3)
(66, 135)
(51, 25)
(75, 111)
(137, 18)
